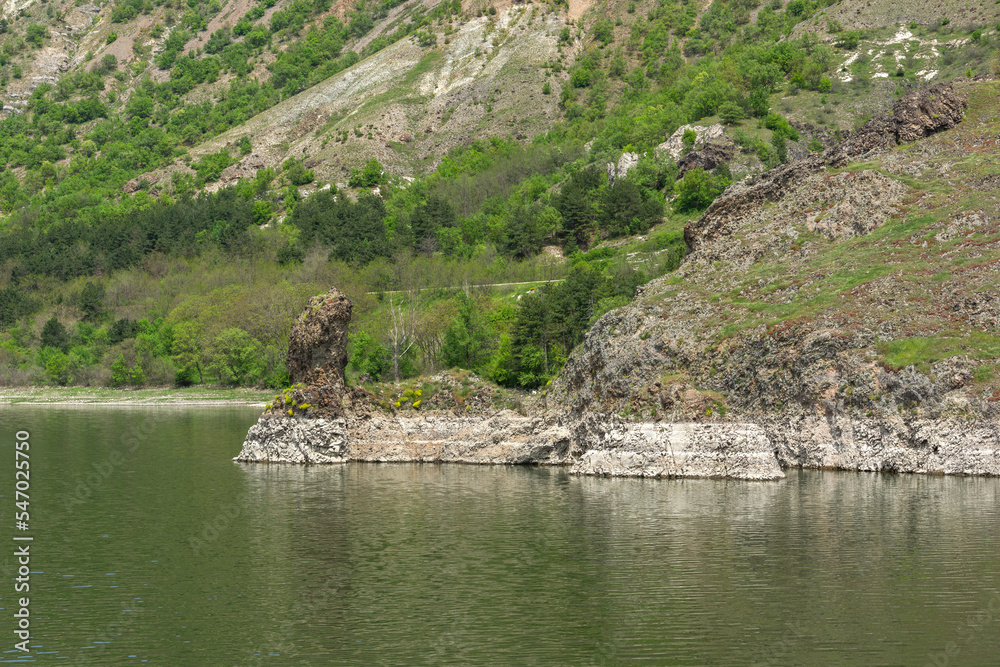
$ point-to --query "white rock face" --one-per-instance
(605, 445)
(291, 440)
(943, 447)
(625, 164)
(592, 445)
(735, 451)
(10, 8)
(674, 146)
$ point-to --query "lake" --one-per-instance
(152, 546)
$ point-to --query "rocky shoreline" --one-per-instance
(590, 445)
(606, 445)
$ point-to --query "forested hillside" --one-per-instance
(482, 180)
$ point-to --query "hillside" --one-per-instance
(486, 180)
(859, 282)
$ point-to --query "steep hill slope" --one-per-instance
(859, 282)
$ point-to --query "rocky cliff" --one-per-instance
(842, 303)
(836, 312)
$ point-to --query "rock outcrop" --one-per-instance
(320, 420)
(916, 115)
(674, 146)
(626, 163)
(317, 345)
(708, 158)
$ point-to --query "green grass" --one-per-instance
(926, 350)
(406, 89)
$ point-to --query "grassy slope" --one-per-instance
(911, 273)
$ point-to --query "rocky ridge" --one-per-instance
(823, 250)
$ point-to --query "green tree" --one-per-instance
(91, 301)
(697, 190)
(576, 203)
(731, 113)
(187, 354)
(466, 340)
(369, 357)
(123, 376)
(236, 357)
(54, 335)
(428, 217)
(14, 305)
(59, 368)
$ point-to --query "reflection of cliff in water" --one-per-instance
(450, 557)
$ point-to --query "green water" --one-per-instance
(171, 554)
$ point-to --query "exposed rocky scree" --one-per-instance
(648, 394)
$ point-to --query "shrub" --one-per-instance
(296, 172)
(373, 174)
(697, 190)
(731, 113)
(604, 31)
(36, 34)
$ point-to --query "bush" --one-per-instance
(697, 190)
(296, 172)
(373, 174)
(731, 113)
(849, 39)
(36, 34)
(604, 31)
(109, 63)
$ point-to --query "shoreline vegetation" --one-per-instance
(153, 396)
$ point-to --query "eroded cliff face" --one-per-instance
(846, 309)
(836, 312)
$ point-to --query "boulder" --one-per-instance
(708, 158)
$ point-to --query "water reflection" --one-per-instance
(180, 556)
